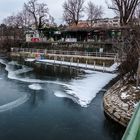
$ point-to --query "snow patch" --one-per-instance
(35, 87)
(84, 90)
(65, 95)
(29, 60)
(60, 94)
(135, 104)
(114, 66)
(124, 95)
(81, 65)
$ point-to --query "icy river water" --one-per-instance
(49, 106)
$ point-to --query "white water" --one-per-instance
(14, 104)
(35, 87)
(81, 91)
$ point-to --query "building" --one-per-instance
(34, 36)
(107, 22)
(101, 30)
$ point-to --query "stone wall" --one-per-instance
(115, 107)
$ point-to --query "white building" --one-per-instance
(33, 36)
(107, 22)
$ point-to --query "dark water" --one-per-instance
(47, 117)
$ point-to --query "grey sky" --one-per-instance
(8, 7)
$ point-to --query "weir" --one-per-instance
(91, 61)
(78, 65)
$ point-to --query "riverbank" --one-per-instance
(120, 101)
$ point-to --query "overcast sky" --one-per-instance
(9, 7)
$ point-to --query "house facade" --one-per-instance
(100, 30)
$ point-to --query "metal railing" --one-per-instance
(133, 129)
(61, 52)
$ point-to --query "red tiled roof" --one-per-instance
(79, 26)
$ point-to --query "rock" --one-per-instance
(113, 98)
(117, 115)
(123, 115)
(125, 106)
(110, 110)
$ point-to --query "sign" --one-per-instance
(35, 39)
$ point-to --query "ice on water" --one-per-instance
(85, 90)
(35, 86)
(81, 91)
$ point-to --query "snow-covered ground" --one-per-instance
(81, 91)
(130, 93)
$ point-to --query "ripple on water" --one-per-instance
(14, 104)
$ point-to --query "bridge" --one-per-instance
(80, 54)
(133, 129)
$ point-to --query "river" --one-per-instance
(37, 106)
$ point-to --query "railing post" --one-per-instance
(103, 66)
(86, 64)
(61, 60)
(54, 59)
(96, 53)
(45, 51)
(94, 64)
(78, 63)
(70, 62)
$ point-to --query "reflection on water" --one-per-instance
(46, 117)
(37, 98)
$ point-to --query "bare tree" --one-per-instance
(38, 11)
(93, 11)
(125, 9)
(21, 19)
(25, 18)
(73, 11)
(11, 21)
(128, 67)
